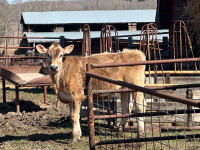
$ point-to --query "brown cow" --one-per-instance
(69, 76)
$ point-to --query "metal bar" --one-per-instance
(22, 37)
(173, 72)
(179, 128)
(159, 113)
(17, 99)
(6, 52)
(90, 110)
(148, 139)
(45, 95)
(145, 62)
(106, 39)
(173, 87)
(162, 128)
(34, 85)
(16, 47)
(71, 39)
(145, 90)
(180, 36)
(86, 44)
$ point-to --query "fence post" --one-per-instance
(4, 89)
(17, 99)
(6, 51)
(90, 109)
(45, 94)
(62, 41)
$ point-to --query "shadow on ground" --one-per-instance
(27, 106)
(38, 137)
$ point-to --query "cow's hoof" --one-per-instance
(55, 108)
(77, 137)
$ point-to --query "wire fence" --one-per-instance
(171, 117)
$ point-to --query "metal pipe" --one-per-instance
(145, 90)
(179, 128)
(22, 37)
(106, 39)
(86, 44)
(159, 113)
(17, 99)
(45, 95)
(145, 62)
(90, 110)
(6, 52)
(174, 72)
(148, 139)
(123, 90)
(16, 47)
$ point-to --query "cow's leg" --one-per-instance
(140, 108)
(57, 103)
(75, 114)
(57, 100)
(125, 108)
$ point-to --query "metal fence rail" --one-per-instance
(164, 128)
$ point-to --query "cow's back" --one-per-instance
(131, 74)
(74, 69)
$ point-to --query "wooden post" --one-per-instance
(167, 78)
(45, 94)
(17, 99)
(90, 110)
(4, 89)
(62, 41)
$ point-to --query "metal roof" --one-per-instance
(83, 17)
(94, 34)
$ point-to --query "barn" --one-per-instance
(70, 25)
(168, 12)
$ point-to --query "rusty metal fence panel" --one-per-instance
(171, 120)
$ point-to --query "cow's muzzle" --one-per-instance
(54, 67)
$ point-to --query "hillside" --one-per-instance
(11, 13)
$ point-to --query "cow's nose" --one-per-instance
(53, 67)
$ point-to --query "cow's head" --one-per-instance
(55, 55)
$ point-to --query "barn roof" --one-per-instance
(82, 17)
(94, 34)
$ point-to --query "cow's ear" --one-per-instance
(68, 49)
(41, 49)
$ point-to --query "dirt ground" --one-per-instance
(37, 126)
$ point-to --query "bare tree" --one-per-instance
(192, 11)
(4, 18)
(10, 14)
